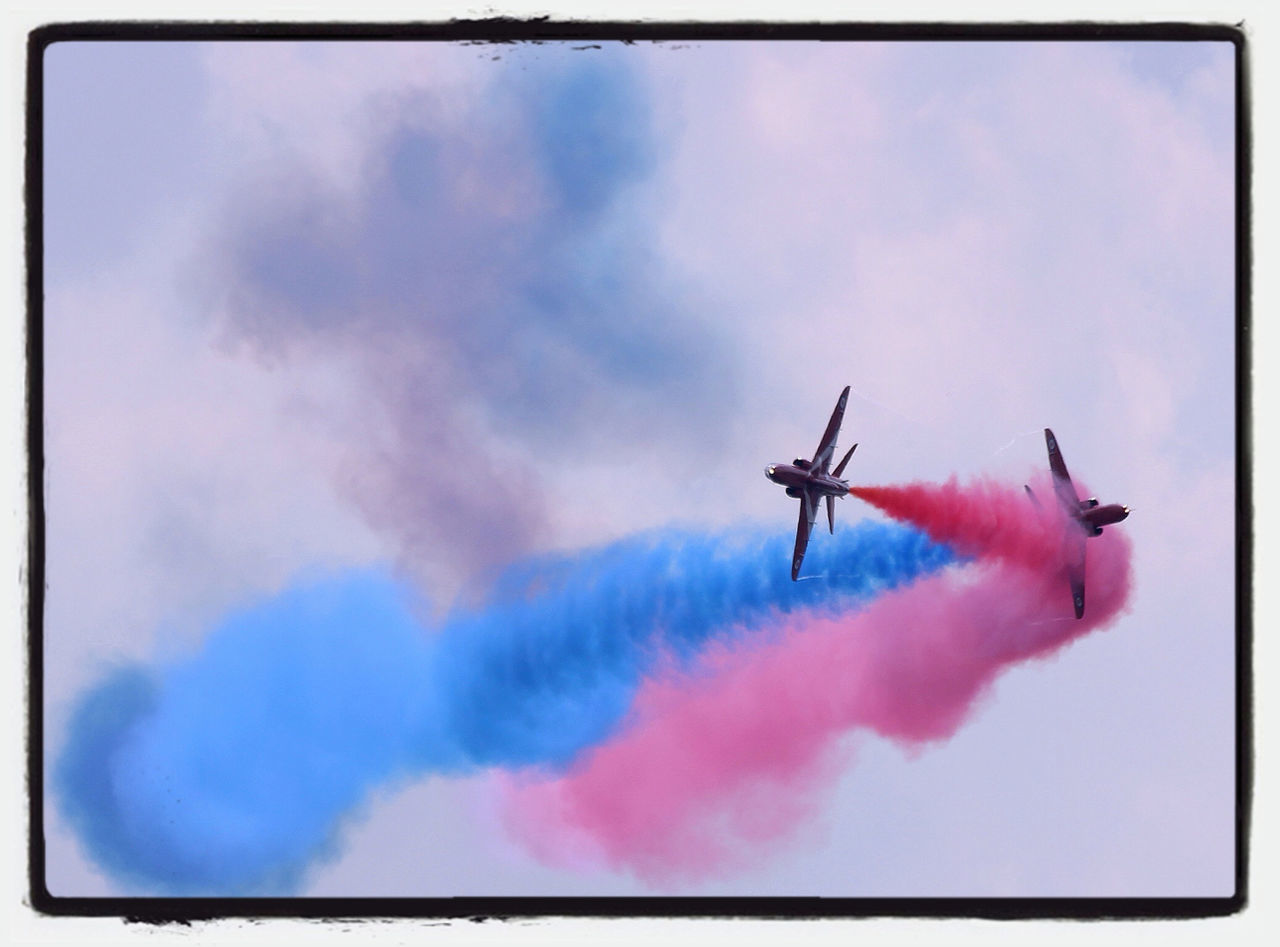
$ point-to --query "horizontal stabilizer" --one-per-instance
(840, 467)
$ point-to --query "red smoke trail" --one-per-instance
(985, 518)
(720, 762)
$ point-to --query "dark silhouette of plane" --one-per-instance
(808, 481)
(1087, 515)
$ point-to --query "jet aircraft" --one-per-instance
(808, 481)
(1086, 515)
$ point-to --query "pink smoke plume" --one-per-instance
(722, 760)
(985, 519)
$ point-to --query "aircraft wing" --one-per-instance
(1062, 485)
(1075, 568)
(808, 513)
(826, 447)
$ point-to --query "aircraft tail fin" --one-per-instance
(831, 514)
(840, 467)
(1032, 497)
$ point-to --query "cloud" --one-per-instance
(146, 143)
(994, 217)
(909, 223)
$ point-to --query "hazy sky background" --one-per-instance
(302, 299)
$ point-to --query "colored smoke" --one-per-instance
(984, 518)
(462, 279)
(718, 760)
(232, 770)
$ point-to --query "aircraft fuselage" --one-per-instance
(801, 478)
(1097, 517)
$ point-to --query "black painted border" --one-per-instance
(506, 30)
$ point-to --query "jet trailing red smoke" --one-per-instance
(720, 763)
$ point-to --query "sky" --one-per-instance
(393, 331)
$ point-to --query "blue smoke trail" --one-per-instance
(230, 772)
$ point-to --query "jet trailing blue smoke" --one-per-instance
(230, 772)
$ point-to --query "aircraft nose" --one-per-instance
(768, 471)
